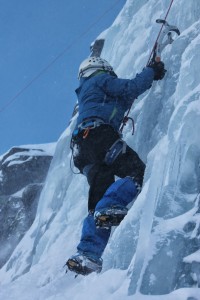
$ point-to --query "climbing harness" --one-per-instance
(163, 39)
(90, 123)
(83, 128)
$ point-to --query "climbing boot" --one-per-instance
(108, 217)
(84, 265)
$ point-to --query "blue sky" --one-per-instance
(32, 35)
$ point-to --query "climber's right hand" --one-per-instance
(159, 69)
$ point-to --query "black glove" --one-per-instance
(159, 69)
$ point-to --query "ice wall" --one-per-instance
(155, 250)
(164, 230)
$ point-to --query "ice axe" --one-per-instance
(164, 38)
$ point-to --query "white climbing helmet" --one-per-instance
(91, 65)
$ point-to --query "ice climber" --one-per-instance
(100, 153)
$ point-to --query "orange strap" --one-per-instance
(86, 132)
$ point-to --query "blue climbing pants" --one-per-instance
(94, 240)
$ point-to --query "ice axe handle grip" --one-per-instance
(157, 58)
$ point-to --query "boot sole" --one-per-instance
(76, 267)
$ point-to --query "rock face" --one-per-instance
(20, 167)
(22, 173)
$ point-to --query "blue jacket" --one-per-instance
(108, 97)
